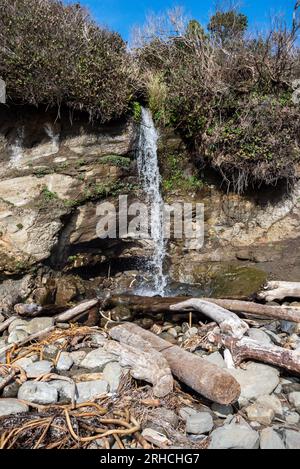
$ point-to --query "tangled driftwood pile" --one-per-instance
(126, 386)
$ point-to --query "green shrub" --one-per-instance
(116, 160)
(230, 97)
(55, 54)
(175, 179)
(49, 195)
(137, 111)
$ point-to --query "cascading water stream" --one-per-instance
(17, 148)
(150, 178)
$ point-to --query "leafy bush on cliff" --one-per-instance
(54, 54)
(229, 95)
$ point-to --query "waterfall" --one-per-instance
(53, 137)
(17, 148)
(150, 179)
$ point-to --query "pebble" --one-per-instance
(169, 338)
(216, 358)
(98, 359)
(256, 380)
(12, 406)
(294, 399)
(173, 332)
(271, 402)
(50, 351)
(65, 362)
(63, 326)
(16, 336)
(259, 335)
(98, 339)
(270, 439)
(186, 412)
(289, 327)
(17, 323)
(292, 418)
(78, 356)
(191, 332)
(234, 436)
(199, 423)
(261, 414)
(112, 373)
(65, 390)
(24, 362)
(90, 390)
(43, 367)
(38, 393)
(37, 325)
(292, 439)
(164, 415)
(156, 438)
(147, 323)
(222, 411)
(11, 390)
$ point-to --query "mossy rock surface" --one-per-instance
(237, 281)
(224, 279)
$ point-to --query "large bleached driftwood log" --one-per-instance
(279, 290)
(145, 363)
(229, 322)
(207, 379)
(147, 305)
(248, 349)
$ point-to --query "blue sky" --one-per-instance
(122, 15)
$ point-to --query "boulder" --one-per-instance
(90, 390)
(256, 380)
(294, 399)
(97, 359)
(292, 439)
(199, 423)
(38, 393)
(12, 406)
(234, 436)
(261, 414)
(112, 373)
(34, 370)
(270, 439)
(65, 362)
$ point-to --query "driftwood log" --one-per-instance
(204, 377)
(248, 349)
(37, 335)
(147, 305)
(229, 322)
(145, 363)
(279, 290)
(78, 310)
(4, 325)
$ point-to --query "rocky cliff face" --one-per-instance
(54, 171)
(51, 174)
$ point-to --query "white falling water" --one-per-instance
(150, 178)
(17, 148)
(54, 139)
